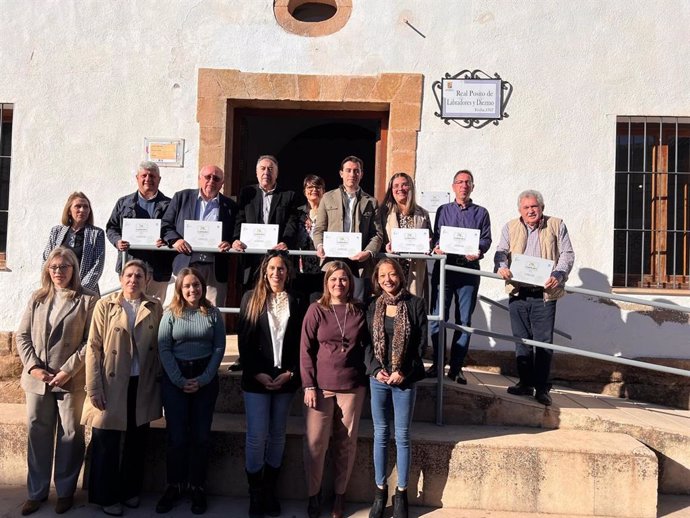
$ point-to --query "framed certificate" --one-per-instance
(206, 234)
(432, 200)
(138, 231)
(531, 270)
(413, 240)
(262, 237)
(342, 244)
(461, 241)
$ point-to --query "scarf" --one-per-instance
(401, 329)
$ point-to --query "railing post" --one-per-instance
(441, 352)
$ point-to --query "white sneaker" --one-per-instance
(113, 510)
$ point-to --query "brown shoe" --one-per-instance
(31, 506)
(64, 504)
(338, 504)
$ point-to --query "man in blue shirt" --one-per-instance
(461, 287)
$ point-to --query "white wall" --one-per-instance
(90, 80)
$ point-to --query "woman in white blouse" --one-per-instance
(268, 336)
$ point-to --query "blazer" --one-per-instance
(417, 281)
(127, 207)
(181, 208)
(330, 218)
(93, 256)
(256, 347)
(412, 367)
(109, 359)
(283, 212)
(63, 348)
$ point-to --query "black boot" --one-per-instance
(314, 506)
(255, 480)
(400, 503)
(380, 500)
(270, 502)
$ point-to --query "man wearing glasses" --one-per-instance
(349, 209)
(203, 204)
(461, 287)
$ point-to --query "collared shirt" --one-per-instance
(207, 210)
(350, 201)
(566, 257)
(267, 197)
(149, 205)
(470, 216)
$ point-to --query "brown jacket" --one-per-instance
(108, 362)
(61, 349)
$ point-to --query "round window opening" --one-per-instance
(313, 12)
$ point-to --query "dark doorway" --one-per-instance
(306, 142)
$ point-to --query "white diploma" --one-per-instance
(138, 231)
(342, 244)
(531, 270)
(263, 237)
(432, 200)
(461, 241)
(206, 234)
(414, 240)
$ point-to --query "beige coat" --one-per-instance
(108, 363)
(417, 282)
(61, 349)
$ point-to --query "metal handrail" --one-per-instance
(440, 360)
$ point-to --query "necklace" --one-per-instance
(341, 328)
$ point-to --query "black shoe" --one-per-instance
(64, 504)
(379, 504)
(543, 397)
(167, 501)
(521, 390)
(199, 504)
(314, 506)
(236, 366)
(400, 506)
(460, 378)
(431, 372)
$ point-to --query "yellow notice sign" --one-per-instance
(167, 152)
(162, 152)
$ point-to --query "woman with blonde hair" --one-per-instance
(191, 341)
(400, 210)
(51, 341)
(122, 389)
(334, 335)
(268, 337)
(78, 233)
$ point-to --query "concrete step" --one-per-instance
(526, 470)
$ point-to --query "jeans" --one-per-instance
(384, 400)
(188, 421)
(533, 318)
(266, 423)
(463, 288)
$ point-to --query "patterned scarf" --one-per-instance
(401, 329)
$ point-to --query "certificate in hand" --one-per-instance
(138, 231)
(432, 200)
(263, 237)
(206, 234)
(461, 241)
(531, 270)
(414, 240)
(342, 244)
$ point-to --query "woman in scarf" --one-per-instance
(398, 325)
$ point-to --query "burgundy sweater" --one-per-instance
(325, 361)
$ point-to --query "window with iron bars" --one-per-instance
(652, 202)
(6, 111)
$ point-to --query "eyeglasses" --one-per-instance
(212, 178)
(313, 188)
(60, 268)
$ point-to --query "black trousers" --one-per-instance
(116, 472)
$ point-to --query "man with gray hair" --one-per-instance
(146, 203)
(533, 308)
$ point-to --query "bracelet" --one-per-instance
(309, 388)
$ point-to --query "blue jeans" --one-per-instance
(188, 420)
(266, 423)
(384, 400)
(533, 318)
(463, 288)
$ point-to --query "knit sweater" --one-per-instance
(191, 337)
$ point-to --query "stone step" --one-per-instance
(493, 468)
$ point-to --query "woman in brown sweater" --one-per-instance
(334, 335)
